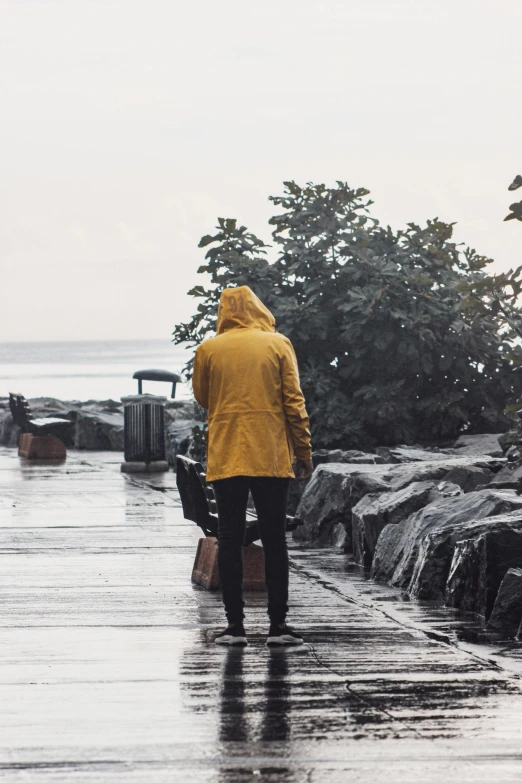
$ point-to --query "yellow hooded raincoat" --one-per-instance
(247, 378)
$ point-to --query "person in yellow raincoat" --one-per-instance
(247, 378)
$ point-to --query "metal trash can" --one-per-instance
(144, 425)
(144, 433)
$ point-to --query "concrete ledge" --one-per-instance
(41, 447)
(205, 572)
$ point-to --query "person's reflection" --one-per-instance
(236, 726)
(275, 725)
(233, 726)
(275, 722)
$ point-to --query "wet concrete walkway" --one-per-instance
(108, 671)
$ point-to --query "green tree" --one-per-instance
(401, 337)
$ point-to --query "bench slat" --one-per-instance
(49, 422)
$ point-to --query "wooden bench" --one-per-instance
(40, 438)
(199, 505)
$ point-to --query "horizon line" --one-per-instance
(88, 340)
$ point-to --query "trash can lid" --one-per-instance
(157, 375)
(143, 399)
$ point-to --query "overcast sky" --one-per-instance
(128, 126)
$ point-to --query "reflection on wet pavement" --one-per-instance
(109, 671)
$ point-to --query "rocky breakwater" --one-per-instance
(95, 424)
(506, 617)
(377, 510)
(416, 554)
(336, 488)
(436, 523)
(184, 420)
(455, 550)
(98, 425)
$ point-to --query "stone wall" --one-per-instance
(441, 524)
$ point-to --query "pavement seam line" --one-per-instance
(358, 696)
(378, 708)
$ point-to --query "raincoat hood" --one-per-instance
(240, 307)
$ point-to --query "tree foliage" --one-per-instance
(515, 408)
(401, 336)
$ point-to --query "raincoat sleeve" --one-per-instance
(200, 378)
(294, 404)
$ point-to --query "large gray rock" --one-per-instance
(470, 477)
(401, 454)
(335, 488)
(481, 561)
(5, 415)
(480, 444)
(508, 477)
(508, 439)
(402, 475)
(99, 430)
(176, 410)
(330, 495)
(9, 431)
(179, 437)
(371, 514)
(437, 549)
(355, 457)
(418, 551)
(506, 616)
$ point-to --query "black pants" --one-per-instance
(270, 497)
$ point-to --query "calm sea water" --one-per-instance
(96, 370)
